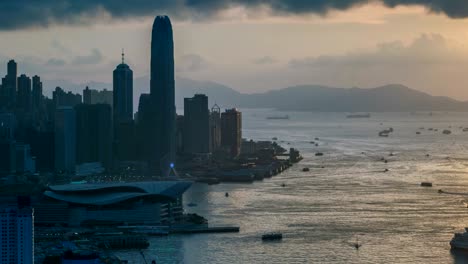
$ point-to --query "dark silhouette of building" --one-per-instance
(196, 125)
(7, 144)
(145, 128)
(9, 86)
(91, 96)
(62, 98)
(215, 128)
(124, 127)
(231, 131)
(180, 134)
(123, 92)
(65, 139)
(37, 97)
(87, 95)
(94, 134)
(24, 98)
(42, 147)
(162, 93)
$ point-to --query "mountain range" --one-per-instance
(388, 98)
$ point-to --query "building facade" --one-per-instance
(215, 128)
(196, 125)
(137, 203)
(231, 131)
(162, 84)
(17, 234)
(9, 86)
(24, 97)
(123, 93)
(94, 134)
(65, 139)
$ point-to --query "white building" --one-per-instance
(17, 235)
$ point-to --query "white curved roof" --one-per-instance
(112, 193)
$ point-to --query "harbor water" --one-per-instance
(345, 197)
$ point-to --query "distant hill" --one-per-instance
(388, 98)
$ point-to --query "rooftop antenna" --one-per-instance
(123, 56)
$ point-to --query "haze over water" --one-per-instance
(321, 213)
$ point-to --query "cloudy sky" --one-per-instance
(251, 46)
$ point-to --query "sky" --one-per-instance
(251, 46)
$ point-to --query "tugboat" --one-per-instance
(272, 236)
(460, 241)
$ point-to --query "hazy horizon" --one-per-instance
(248, 46)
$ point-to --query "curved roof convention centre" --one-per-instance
(101, 194)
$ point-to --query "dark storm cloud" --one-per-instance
(17, 14)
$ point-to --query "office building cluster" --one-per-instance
(99, 130)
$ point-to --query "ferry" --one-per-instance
(460, 241)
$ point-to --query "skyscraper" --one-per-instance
(123, 93)
(87, 95)
(37, 99)
(196, 125)
(17, 233)
(65, 139)
(94, 134)
(215, 128)
(231, 131)
(124, 127)
(163, 96)
(9, 85)
(24, 98)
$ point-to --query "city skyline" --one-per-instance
(385, 45)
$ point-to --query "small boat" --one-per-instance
(272, 236)
(384, 133)
(426, 184)
(305, 169)
(418, 133)
(226, 194)
(274, 138)
(191, 204)
(356, 244)
(283, 185)
(465, 129)
(447, 132)
(319, 154)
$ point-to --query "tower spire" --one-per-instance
(123, 56)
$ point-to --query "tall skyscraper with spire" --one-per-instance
(162, 95)
(124, 139)
(123, 92)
